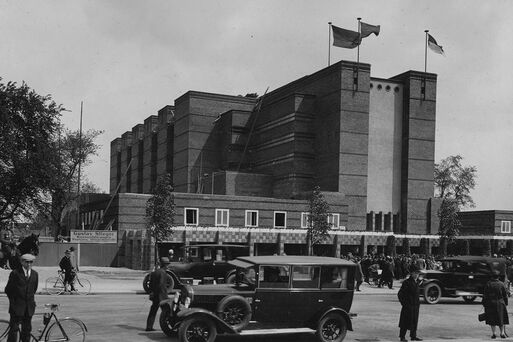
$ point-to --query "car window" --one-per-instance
(207, 254)
(305, 277)
(334, 277)
(273, 277)
(220, 255)
(481, 267)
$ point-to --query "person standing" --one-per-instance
(159, 283)
(409, 297)
(495, 300)
(20, 289)
(73, 258)
(67, 268)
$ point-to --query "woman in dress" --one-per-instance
(495, 300)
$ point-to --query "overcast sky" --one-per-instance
(126, 59)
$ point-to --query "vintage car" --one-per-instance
(460, 276)
(205, 261)
(282, 293)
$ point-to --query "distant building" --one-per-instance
(243, 166)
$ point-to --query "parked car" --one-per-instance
(270, 292)
(205, 261)
(460, 276)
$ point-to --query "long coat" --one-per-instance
(20, 292)
(495, 300)
(159, 281)
(409, 297)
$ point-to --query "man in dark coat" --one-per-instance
(159, 283)
(67, 267)
(409, 297)
(495, 300)
(20, 289)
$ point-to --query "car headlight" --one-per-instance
(187, 302)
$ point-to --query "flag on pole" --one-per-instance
(345, 38)
(433, 45)
(367, 29)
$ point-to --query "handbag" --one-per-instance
(481, 317)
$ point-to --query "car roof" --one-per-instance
(247, 261)
(468, 258)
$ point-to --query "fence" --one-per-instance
(50, 253)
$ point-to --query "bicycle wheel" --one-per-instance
(4, 329)
(82, 286)
(54, 286)
(67, 329)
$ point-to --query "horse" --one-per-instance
(12, 252)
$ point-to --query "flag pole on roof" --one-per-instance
(329, 42)
(355, 77)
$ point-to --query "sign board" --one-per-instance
(46, 238)
(93, 236)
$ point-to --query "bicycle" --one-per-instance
(55, 285)
(63, 330)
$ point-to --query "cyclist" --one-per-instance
(69, 271)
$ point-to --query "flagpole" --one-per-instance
(358, 53)
(355, 77)
(329, 42)
(423, 88)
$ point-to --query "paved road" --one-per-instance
(113, 318)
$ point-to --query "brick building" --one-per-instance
(243, 166)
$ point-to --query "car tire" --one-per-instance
(331, 328)
(166, 324)
(194, 329)
(235, 311)
(146, 283)
(230, 279)
(432, 293)
(469, 299)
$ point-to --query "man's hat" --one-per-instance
(28, 257)
(67, 251)
(164, 260)
(71, 249)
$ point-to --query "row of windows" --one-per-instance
(505, 226)
(222, 218)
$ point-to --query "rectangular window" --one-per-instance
(305, 277)
(273, 277)
(334, 220)
(334, 277)
(505, 226)
(251, 218)
(305, 218)
(191, 216)
(222, 217)
(280, 219)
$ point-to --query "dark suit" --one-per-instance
(67, 267)
(409, 297)
(20, 292)
(159, 281)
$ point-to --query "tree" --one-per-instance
(160, 211)
(29, 124)
(453, 183)
(61, 195)
(391, 246)
(318, 225)
(406, 247)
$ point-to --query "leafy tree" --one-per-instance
(160, 211)
(318, 226)
(453, 183)
(29, 124)
(61, 195)
(390, 246)
(442, 250)
(406, 247)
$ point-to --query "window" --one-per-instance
(334, 220)
(222, 217)
(306, 277)
(273, 277)
(251, 218)
(191, 216)
(334, 277)
(280, 219)
(305, 218)
(505, 226)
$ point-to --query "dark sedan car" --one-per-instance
(460, 276)
(296, 293)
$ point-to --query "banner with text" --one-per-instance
(93, 236)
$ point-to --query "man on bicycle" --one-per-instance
(69, 271)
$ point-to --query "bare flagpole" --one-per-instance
(329, 43)
(423, 88)
(355, 78)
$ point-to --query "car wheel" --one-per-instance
(332, 328)
(469, 299)
(146, 283)
(166, 323)
(197, 329)
(234, 310)
(432, 293)
(230, 279)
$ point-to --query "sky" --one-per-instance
(127, 59)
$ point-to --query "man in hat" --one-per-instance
(409, 297)
(20, 289)
(159, 283)
(67, 268)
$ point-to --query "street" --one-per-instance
(121, 317)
